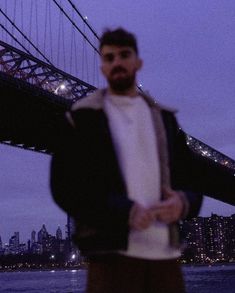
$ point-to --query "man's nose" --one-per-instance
(117, 60)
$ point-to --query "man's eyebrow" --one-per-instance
(108, 55)
(126, 52)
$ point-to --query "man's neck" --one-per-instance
(132, 92)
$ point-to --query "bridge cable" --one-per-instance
(74, 24)
(30, 21)
(73, 45)
(26, 38)
(22, 22)
(45, 31)
(50, 30)
(61, 39)
(6, 36)
(15, 39)
(48, 19)
(37, 35)
(84, 19)
(63, 44)
(14, 17)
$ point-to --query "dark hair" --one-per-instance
(118, 37)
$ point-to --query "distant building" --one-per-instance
(36, 248)
(209, 239)
(70, 230)
(33, 237)
(59, 234)
(14, 243)
(1, 247)
(42, 234)
(217, 238)
(231, 237)
(193, 233)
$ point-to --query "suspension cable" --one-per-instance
(50, 31)
(84, 19)
(37, 35)
(74, 24)
(26, 38)
(15, 39)
(22, 20)
(30, 20)
(14, 17)
(71, 43)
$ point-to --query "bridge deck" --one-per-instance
(30, 117)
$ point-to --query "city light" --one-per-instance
(60, 87)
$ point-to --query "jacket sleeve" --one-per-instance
(192, 204)
(62, 171)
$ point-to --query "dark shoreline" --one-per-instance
(77, 268)
(218, 264)
(84, 267)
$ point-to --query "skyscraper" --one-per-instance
(0, 243)
(33, 237)
(14, 243)
(58, 234)
(42, 234)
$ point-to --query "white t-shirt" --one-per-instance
(135, 143)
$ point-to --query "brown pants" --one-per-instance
(121, 274)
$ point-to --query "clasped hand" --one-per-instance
(168, 211)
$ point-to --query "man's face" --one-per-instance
(119, 65)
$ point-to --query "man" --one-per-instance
(124, 172)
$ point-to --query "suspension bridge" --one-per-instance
(38, 65)
(48, 60)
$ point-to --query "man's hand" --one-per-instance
(170, 209)
(140, 217)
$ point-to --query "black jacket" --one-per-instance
(86, 180)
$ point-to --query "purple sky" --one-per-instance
(188, 48)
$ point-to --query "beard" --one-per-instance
(122, 84)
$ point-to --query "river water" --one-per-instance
(199, 279)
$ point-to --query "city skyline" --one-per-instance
(204, 240)
(12, 233)
(64, 230)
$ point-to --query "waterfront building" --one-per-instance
(1, 247)
(59, 234)
(217, 238)
(42, 234)
(209, 239)
(33, 237)
(70, 230)
(231, 237)
(6, 249)
(194, 239)
(36, 248)
(14, 243)
(22, 248)
(0, 243)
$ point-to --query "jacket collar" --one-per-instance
(96, 101)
